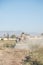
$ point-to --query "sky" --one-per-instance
(21, 15)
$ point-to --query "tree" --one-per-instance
(13, 36)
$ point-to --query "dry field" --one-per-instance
(12, 56)
(9, 55)
(7, 43)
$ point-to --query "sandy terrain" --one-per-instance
(12, 56)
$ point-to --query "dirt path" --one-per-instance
(12, 56)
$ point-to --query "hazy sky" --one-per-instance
(21, 15)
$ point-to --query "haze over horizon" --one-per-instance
(21, 15)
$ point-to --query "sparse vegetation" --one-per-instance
(32, 56)
(7, 44)
(33, 59)
(11, 45)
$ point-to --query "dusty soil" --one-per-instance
(12, 56)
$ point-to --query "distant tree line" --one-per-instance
(8, 36)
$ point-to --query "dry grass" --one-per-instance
(9, 55)
(36, 58)
(12, 56)
(7, 43)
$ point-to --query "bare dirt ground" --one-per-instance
(12, 56)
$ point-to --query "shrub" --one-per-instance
(31, 61)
